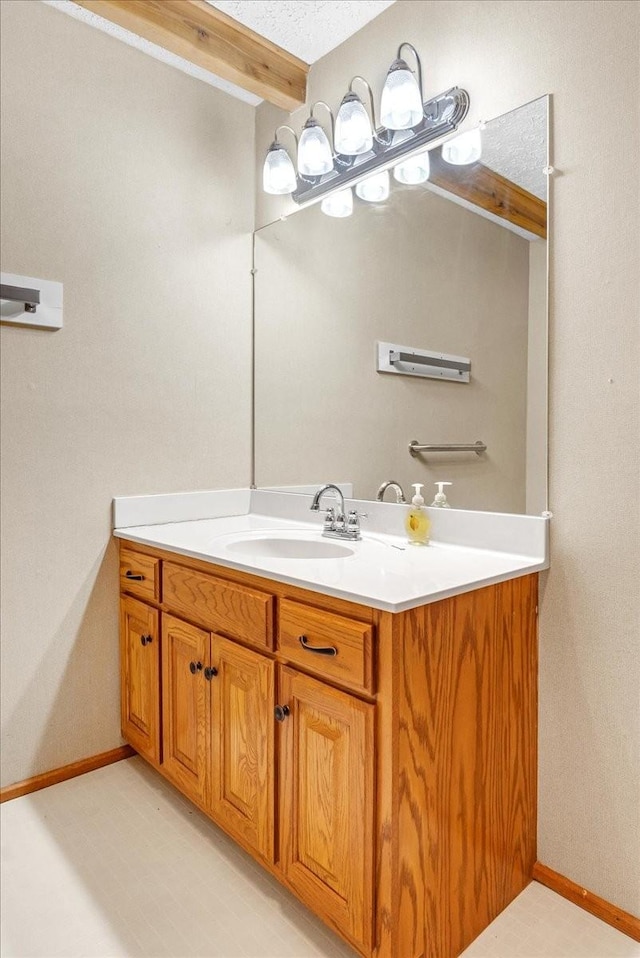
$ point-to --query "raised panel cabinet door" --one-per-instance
(242, 743)
(326, 741)
(140, 677)
(185, 706)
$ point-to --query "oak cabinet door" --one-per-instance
(242, 746)
(326, 801)
(140, 677)
(185, 706)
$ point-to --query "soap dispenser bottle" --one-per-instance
(440, 501)
(417, 522)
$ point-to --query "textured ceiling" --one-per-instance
(515, 145)
(306, 28)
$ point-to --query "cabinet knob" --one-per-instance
(195, 667)
(132, 575)
(146, 639)
(281, 712)
(210, 673)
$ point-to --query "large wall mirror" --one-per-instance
(455, 266)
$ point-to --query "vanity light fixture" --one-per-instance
(463, 149)
(315, 156)
(375, 188)
(338, 204)
(401, 104)
(355, 130)
(415, 169)
(278, 172)
(354, 148)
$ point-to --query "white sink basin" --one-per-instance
(287, 545)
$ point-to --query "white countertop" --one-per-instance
(384, 571)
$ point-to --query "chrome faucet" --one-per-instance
(315, 505)
(336, 524)
(391, 483)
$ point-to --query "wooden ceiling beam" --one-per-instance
(492, 192)
(201, 34)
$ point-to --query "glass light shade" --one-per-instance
(413, 170)
(375, 188)
(353, 134)
(314, 150)
(464, 149)
(338, 204)
(401, 104)
(278, 172)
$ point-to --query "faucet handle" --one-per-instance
(353, 520)
(329, 519)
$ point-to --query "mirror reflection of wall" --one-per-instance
(421, 271)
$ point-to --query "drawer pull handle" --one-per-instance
(319, 650)
(195, 667)
(210, 673)
(132, 575)
(281, 712)
(146, 639)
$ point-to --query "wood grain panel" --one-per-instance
(139, 564)
(203, 35)
(386, 846)
(352, 666)
(625, 922)
(219, 605)
(185, 707)
(326, 808)
(140, 676)
(242, 745)
(467, 756)
(490, 191)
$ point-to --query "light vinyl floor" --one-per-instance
(117, 863)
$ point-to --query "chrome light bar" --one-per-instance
(442, 115)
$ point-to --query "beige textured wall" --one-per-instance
(587, 55)
(327, 290)
(537, 387)
(130, 183)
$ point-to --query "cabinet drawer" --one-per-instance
(304, 632)
(234, 610)
(140, 574)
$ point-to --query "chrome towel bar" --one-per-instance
(20, 294)
(415, 447)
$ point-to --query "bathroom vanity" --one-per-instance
(379, 760)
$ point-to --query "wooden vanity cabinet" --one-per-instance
(382, 766)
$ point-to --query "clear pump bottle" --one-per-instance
(440, 501)
(417, 523)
